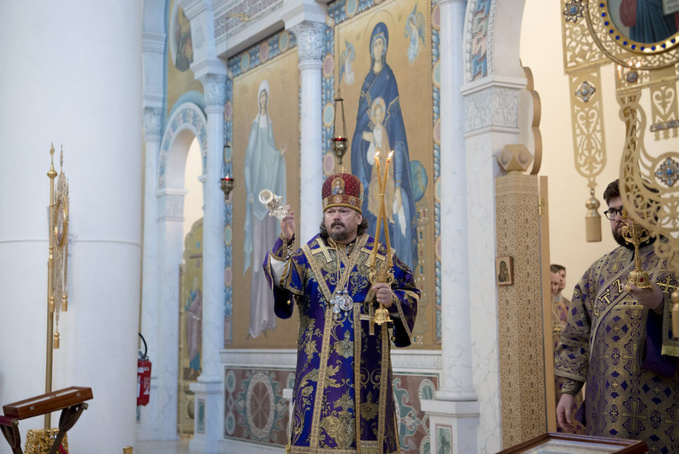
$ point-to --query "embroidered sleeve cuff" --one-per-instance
(282, 249)
(569, 386)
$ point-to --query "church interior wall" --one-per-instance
(255, 381)
(568, 189)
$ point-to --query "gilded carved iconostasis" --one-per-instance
(582, 128)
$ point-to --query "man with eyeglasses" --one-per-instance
(618, 341)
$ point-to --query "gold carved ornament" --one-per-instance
(582, 62)
(57, 265)
(649, 170)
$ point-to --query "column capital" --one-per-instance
(309, 40)
(152, 122)
(214, 86)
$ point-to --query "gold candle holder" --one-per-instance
(635, 234)
(381, 273)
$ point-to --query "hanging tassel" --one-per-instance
(55, 342)
(593, 219)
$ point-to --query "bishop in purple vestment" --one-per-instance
(342, 397)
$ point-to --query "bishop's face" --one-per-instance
(342, 224)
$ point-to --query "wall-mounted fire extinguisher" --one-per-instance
(143, 376)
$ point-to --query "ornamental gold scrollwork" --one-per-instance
(646, 60)
(582, 62)
(579, 49)
(59, 240)
(648, 183)
(664, 106)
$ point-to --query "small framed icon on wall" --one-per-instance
(504, 270)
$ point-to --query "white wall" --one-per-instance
(193, 200)
(71, 74)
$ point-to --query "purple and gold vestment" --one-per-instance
(624, 352)
(343, 383)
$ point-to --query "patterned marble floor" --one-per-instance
(162, 447)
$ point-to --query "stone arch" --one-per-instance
(484, 54)
(187, 118)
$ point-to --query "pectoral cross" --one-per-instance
(322, 249)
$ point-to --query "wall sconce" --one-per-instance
(226, 179)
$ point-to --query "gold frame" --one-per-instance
(623, 50)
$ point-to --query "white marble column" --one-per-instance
(310, 50)
(455, 407)
(209, 413)
(162, 410)
(71, 77)
(455, 336)
(153, 52)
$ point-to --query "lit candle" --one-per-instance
(379, 216)
(384, 210)
(377, 170)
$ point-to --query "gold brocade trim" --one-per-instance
(320, 386)
(403, 319)
(358, 344)
(670, 350)
(315, 268)
(602, 292)
(384, 381)
(39, 441)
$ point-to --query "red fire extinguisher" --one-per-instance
(143, 376)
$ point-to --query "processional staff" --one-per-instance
(381, 273)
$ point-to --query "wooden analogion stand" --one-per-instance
(71, 402)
